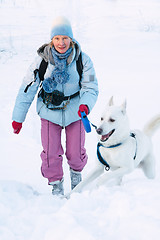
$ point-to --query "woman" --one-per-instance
(63, 96)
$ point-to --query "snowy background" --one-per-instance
(123, 39)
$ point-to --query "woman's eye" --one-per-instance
(112, 120)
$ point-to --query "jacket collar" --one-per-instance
(45, 52)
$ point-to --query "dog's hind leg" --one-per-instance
(148, 166)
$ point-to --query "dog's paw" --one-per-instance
(67, 196)
(100, 182)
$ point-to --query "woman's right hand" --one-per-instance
(16, 127)
(83, 108)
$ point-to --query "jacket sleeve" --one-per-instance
(24, 99)
(89, 85)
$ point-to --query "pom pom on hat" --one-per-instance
(61, 26)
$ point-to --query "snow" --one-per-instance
(122, 38)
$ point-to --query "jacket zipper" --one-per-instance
(63, 113)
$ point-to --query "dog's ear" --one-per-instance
(124, 106)
(110, 103)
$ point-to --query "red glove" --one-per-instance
(16, 126)
(83, 108)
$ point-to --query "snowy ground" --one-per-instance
(122, 38)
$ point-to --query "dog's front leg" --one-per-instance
(116, 174)
(97, 171)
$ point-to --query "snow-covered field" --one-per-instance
(122, 38)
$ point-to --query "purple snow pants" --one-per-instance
(52, 149)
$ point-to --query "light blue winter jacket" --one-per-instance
(88, 91)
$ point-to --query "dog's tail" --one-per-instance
(152, 126)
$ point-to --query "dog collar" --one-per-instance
(134, 136)
(100, 158)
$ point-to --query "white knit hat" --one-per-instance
(61, 26)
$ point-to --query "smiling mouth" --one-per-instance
(107, 136)
(61, 47)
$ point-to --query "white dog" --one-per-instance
(119, 149)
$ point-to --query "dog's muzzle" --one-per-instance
(106, 136)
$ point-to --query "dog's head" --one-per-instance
(113, 126)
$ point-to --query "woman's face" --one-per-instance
(61, 43)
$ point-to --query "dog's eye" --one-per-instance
(102, 118)
(112, 120)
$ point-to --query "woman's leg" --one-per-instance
(75, 150)
(52, 151)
